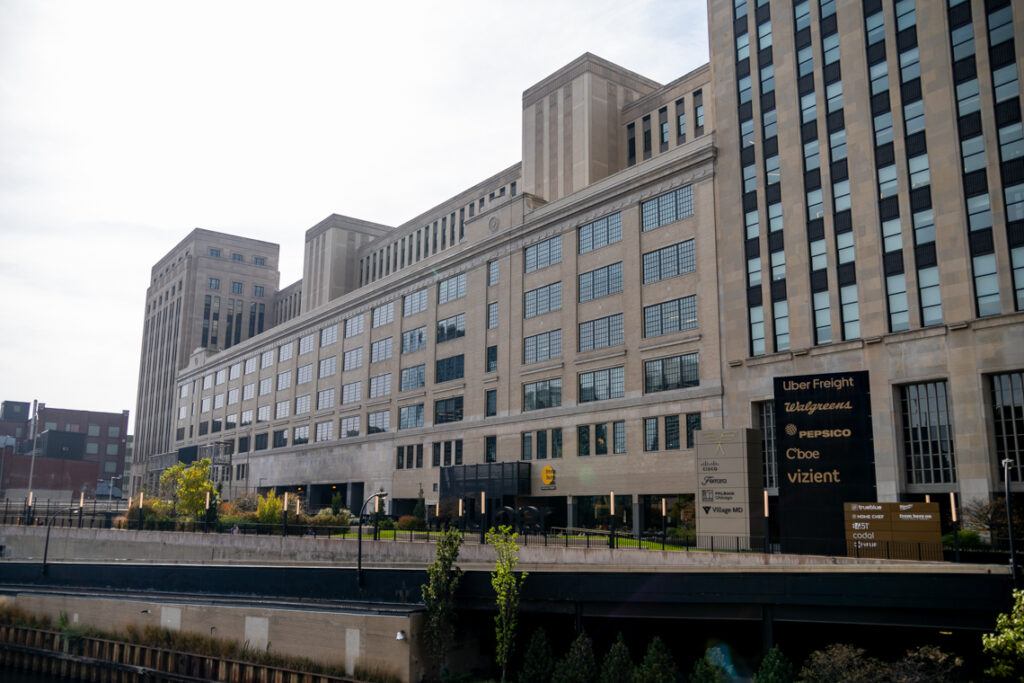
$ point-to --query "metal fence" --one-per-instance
(106, 513)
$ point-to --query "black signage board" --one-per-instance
(825, 455)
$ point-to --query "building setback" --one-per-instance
(661, 254)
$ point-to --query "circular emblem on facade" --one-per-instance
(493, 224)
(547, 475)
(791, 429)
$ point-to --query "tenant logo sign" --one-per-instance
(824, 449)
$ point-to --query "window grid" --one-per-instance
(414, 303)
(414, 340)
(600, 233)
(543, 394)
(677, 372)
(601, 385)
(668, 208)
(355, 325)
(600, 282)
(927, 433)
(601, 333)
(542, 300)
(542, 347)
(382, 315)
(543, 254)
(670, 261)
(670, 316)
(1008, 422)
(381, 350)
(414, 377)
(451, 328)
(451, 289)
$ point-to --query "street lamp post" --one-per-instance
(359, 522)
(1009, 518)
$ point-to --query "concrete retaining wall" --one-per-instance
(105, 545)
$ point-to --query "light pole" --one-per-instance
(1009, 518)
(359, 552)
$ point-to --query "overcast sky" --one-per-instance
(124, 125)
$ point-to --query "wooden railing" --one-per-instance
(106, 661)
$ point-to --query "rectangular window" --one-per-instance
(353, 359)
(448, 410)
(651, 440)
(328, 366)
(669, 317)
(350, 393)
(665, 374)
(324, 431)
(304, 374)
(600, 233)
(671, 432)
(583, 440)
(600, 282)
(1008, 421)
(850, 311)
(451, 289)
(667, 208)
(354, 326)
(542, 347)
(543, 394)
(896, 292)
(410, 417)
(757, 345)
(492, 359)
(492, 273)
(306, 344)
(544, 254)
(491, 449)
(214, 283)
(349, 426)
(448, 369)
(284, 380)
(257, 291)
(601, 385)
(263, 414)
(328, 335)
(266, 386)
(380, 385)
(414, 377)
(380, 350)
(692, 425)
(601, 333)
(780, 311)
(302, 406)
(490, 403)
(414, 303)
(266, 359)
(378, 422)
(300, 435)
(542, 300)
(325, 398)
(677, 259)
(822, 318)
(451, 328)
(382, 315)
(414, 340)
(927, 433)
(526, 448)
(492, 315)
(986, 285)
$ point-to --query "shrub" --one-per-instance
(538, 661)
(775, 668)
(969, 540)
(407, 522)
(247, 502)
(617, 665)
(578, 665)
(659, 667)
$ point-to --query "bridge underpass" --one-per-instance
(800, 608)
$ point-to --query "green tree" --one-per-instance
(538, 661)
(337, 500)
(188, 487)
(1006, 644)
(841, 662)
(507, 586)
(658, 665)
(268, 509)
(443, 577)
(926, 664)
(617, 665)
(419, 512)
(578, 665)
(775, 668)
